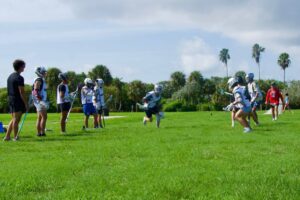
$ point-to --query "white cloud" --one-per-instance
(198, 55)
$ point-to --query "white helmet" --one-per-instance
(99, 82)
(249, 77)
(88, 81)
(158, 88)
(232, 82)
(40, 71)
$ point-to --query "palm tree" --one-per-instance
(256, 50)
(284, 62)
(224, 57)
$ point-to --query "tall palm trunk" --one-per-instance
(258, 71)
(284, 76)
(226, 69)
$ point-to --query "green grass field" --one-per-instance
(192, 156)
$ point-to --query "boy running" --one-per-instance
(255, 95)
(152, 105)
(240, 102)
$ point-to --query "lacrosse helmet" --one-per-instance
(63, 76)
(249, 77)
(40, 71)
(99, 82)
(232, 82)
(158, 88)
(88, 81)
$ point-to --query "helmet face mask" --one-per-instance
(63, 76)
(41, 71)
(88, 82)
(249, 77)
(99, 82)
(158, 89)
(232, 82)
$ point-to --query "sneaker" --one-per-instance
(83, 128)
(16, 138)
(5, 139)
(39, 134)
(43, 134)
(275, 118)
(247, 130)
(101, 126)
(63, 132)
(144, 121)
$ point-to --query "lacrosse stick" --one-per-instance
(30, 103)
(73, 99)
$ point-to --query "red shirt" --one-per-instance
(273, 96)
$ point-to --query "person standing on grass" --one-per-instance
(241, 103)
(286, 103)
(16, 99)
(255, 95)
(39, 97)
(63, 100)
(273, 98)
(98, 100)
(87, 93)
(152, 105)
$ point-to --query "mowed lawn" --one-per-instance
(193, 155)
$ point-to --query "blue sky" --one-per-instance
(148, 40)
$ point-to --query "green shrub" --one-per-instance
(172, 106)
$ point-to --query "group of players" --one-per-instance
(92, 99)
(246, 100)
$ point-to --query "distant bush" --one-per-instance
(172, 106)
(188, 108)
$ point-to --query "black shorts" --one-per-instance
(16, 105)
(63, 107)
(151, 111)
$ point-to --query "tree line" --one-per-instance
(180, 92)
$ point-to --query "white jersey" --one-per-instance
(253, 89)
(240, 97)
(87, 95)
(42, 92)
(66, 98)
(98, 97)
(152, 99)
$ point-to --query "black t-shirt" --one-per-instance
(62, 88)
(13, 82)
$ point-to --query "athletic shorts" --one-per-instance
(246, 109)
(89, 109)
(16, 105)
(63, 107)
(255, 104)
(150, 111)
(274, 104)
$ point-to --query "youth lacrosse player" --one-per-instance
(39, 97)
(63, 100)
(255, 95)
(152, 105)
(98, 100)
(273, 97)
(16, 99)
(87, 93)
(240, 102)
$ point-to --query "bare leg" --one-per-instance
(43, 121)
(86, 121)
(38, 123)
(95, 120)
(16, 119)
(63, 121)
